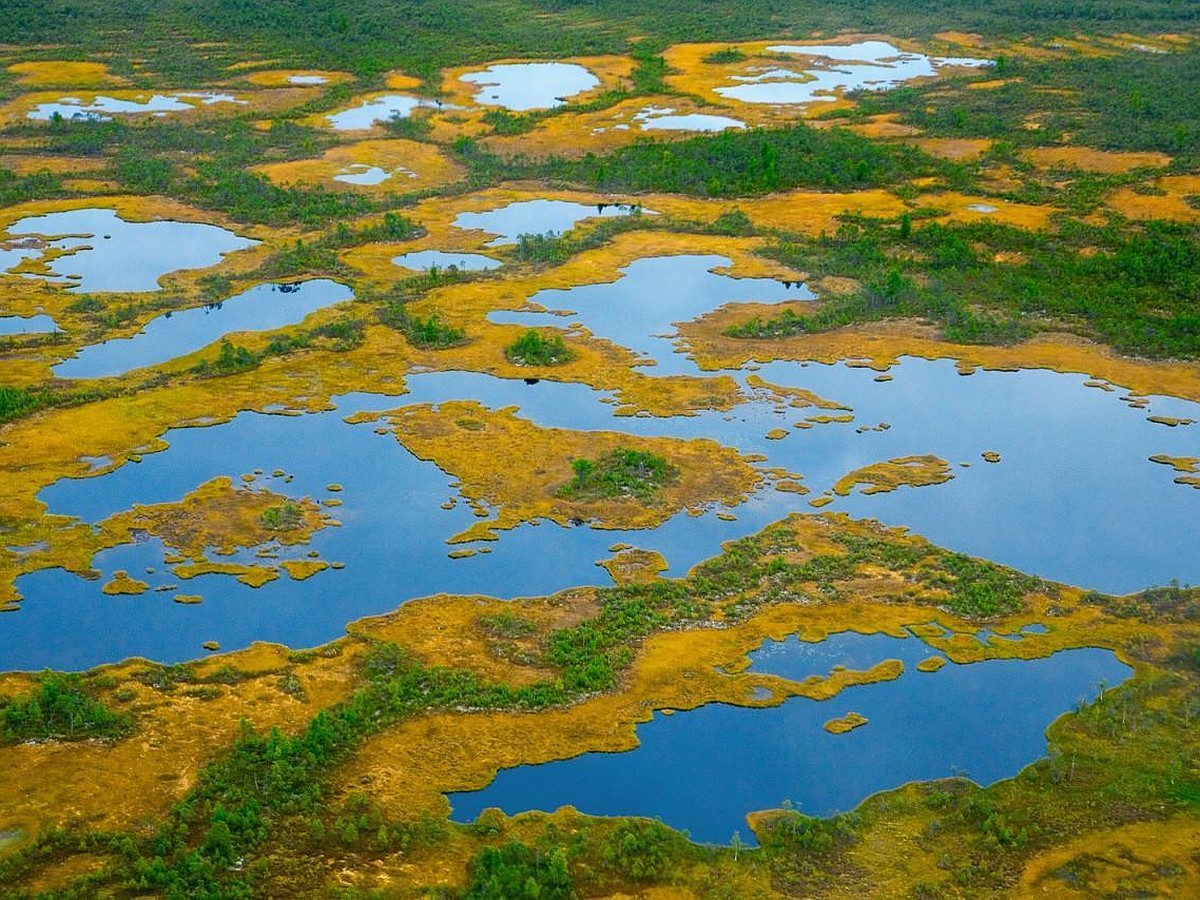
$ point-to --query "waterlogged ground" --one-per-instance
(284, 434)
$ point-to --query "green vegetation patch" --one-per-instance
(534, 349)
(286, 516)
(620, 474)
(746, 163)
(988, 283)
(429, 333)
(61, 709)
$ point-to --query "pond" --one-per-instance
(423, 260)
(523, 86)
(962, 720)
(683, 287)
(173, 334)
(665, 119)
(362, 174)
(39, 324)
(379, 109)
(102, 108)
(103, 252)
(512, 220)
(833, 69)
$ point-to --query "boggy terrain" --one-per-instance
(588, 321)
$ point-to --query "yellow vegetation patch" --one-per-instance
(123, 583)
(955, 149)
(63, 73)
(284, 78)
(254, 576)
(846, 723)
(29, 164)
(1142, 858)
(960, 207)
(932, 664)
(1178, 463)
(881, 126)
(883, 477)
(408, 165)
(1171, 203)
(635, 566)
(1107, 161)
(517, 467)
(302, 569)
(991, 84)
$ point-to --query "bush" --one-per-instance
(60, 709)
(619, 473)
(531, 349)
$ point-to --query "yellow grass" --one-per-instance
(279, 77)
(1171, 205)
(1108, 162)
(415, 167)
(63, 73)
(887, 476)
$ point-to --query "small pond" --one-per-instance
(102, 108)
(654, 118)
(683, 288)
(984, 721)
(307, 79)
(522, 86)
(362, 174)
(832, 69)
(39, 324)
(422, 260)
(379, 109)
(511, 221)
(173, 334)
(104, 252)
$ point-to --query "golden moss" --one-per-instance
(302, 569)
(517, 467)
(1154, 858)
(1108, 162)
(123, 583)
(63, 73)
(282, 77)
(797, 398)
(955, 149)
(932, 664)
(846, 723)
(414, 166)
(883, 477)
(1170, 204)
(635, 566)
(990, 456)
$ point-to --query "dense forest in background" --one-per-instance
(422, 36)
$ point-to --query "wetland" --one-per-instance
(510, 451)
